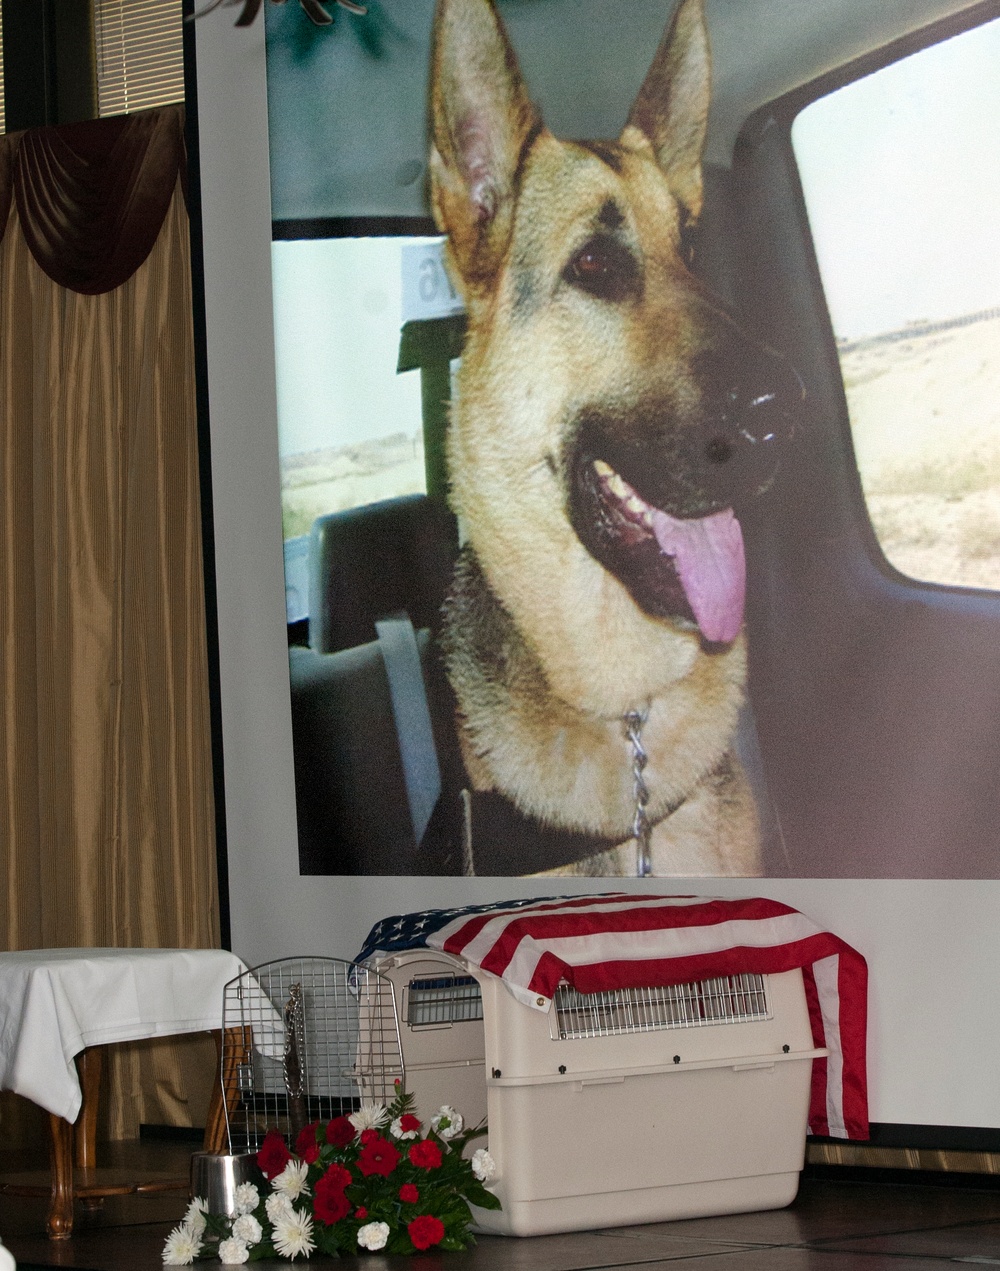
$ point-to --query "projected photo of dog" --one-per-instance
(610, 416)
(566, 692)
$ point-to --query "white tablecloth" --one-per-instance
(56, 1002)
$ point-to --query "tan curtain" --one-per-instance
(106, 811)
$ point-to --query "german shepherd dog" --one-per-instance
(610, 416)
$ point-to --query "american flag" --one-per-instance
(618, 940)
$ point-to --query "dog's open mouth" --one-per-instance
(679, 567)
(653, 485)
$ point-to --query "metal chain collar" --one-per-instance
(641, 828)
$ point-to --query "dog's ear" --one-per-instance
(481, 119)
(672, 107)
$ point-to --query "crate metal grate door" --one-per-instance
(431, 1001)
(729, 999)
(305, 1039)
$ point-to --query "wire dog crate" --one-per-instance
(638, 1105)
(305, 1039)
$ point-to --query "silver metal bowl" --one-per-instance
(215, 1177)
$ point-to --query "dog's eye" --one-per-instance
(605, 269)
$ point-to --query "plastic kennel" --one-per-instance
(638, 1105)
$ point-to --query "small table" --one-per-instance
(59, 1007)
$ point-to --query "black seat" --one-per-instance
(365, 564)
(390, 557)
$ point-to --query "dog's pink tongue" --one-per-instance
(708, 557)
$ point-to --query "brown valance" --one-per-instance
(91, 197)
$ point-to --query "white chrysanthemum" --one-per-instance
(247, 1228)
(293, 1235)
(278, 1206)
(182, 1247)
(247, 1198)
(232, 1252)
(373, 1235)
(447, 1123)
(396, 1129)
(194, 1219)
(370, 1116)
(483, 1165)
(291, 1182)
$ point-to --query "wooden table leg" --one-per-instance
(215, 1124)
(74, 1145)
(88, 1064)
(234, 1048)
(60, 1221)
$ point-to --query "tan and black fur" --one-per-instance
(588, 339)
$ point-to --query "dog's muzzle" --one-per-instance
(656, 488)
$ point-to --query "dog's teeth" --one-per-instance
(618, 487)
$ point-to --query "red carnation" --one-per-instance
(307, 1141)
(340, 1132)
(273, 1155)
(425, 1231)
(408, 1193)
(330, 1204)
(408, 1122)
(369, 1135)
(378, 1156)
(425, 1155)
(361, 1213)
(337, 1177)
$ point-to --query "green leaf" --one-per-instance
(326, 1240)
(403, 1102)
(458, 1143)
(399, 1242)
(456, 1221)
(454, 1244)
(263, 1249)
(218, 1225)
(476, 1194)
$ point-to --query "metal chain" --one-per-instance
(641, 828)
(293, 1061)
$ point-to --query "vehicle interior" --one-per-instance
(869, 668)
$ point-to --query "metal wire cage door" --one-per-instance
(305, 1039)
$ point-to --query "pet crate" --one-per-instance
(305, 1039)
(638, 1105)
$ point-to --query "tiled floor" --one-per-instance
(833, 1226)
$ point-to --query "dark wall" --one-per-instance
(49, 66)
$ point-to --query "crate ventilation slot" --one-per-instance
(729, 999)
(443, 999)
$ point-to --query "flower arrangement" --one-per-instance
(376, 1180)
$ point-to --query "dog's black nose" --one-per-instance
(747, 429)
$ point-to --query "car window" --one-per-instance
(902, 188)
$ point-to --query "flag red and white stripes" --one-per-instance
(614, 941)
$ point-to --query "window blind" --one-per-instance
(140, 61)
